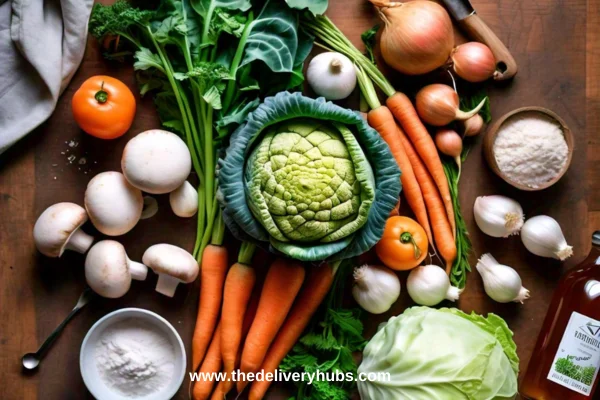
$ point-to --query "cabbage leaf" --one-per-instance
(441, 354)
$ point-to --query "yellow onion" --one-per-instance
(417, 37)
(437, 105)
(474, 62)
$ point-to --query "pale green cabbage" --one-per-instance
(441, 354)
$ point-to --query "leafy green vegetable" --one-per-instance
(273, 38)
(208, 62)
(316, 7)
(327, 345)
(369, 37)
(441, 354)
(318, 181)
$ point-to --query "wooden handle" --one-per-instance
(506, 66)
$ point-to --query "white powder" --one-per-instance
(135, 358)
(531, 149)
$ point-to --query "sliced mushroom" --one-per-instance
(156, 161)
(109, 271)
(173, 265)
(114, 205)
(184, 200)
(58, 229)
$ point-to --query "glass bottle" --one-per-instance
(566, 358)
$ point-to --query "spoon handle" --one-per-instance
(83, 300)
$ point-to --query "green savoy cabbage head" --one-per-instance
(310, 178)
(441, 354)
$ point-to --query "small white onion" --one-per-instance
(331, 75)
(498, 216)
(542, 236)
(428, 285)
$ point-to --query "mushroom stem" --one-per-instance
(167, 285)
(79, 241)
(138, 271)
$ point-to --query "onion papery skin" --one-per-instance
(437, 104)
(473, 62)
(417, 38)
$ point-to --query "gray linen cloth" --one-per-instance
(41, 45)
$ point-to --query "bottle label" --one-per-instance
(577, 359)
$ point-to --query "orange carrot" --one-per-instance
(219, 392)
(407, 116)
(312, 294)
(442, 230)
(212, 278)
(211, 364)
(382, 120)
(282, 283)
(238, 289)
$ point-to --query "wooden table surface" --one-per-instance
(557, 46)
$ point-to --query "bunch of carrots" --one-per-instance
(244, 325)
(424, 181)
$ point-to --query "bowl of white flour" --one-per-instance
(530, 148)
(132, 353)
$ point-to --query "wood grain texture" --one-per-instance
(36, 293)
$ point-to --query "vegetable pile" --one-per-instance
(311, 181)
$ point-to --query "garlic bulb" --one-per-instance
(501, 282)
(543, 237)
(376, 288)
(331, 75)
(498, 216)
(428, 285)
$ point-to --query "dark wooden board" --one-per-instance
(549, 44)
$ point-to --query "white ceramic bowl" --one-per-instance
(87, 363)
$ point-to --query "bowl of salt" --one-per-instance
(132, 353)
(530, 148)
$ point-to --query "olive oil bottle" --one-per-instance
(566, 358)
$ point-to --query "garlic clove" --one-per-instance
(501, 282)
(376, 288)
(543, 237)
(498, 216)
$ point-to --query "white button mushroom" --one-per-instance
(109, 271)
(156, 161)
(173, 265)
(184, 200)
(114, 205)
(57, 230)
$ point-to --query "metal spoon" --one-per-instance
(32, 360)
